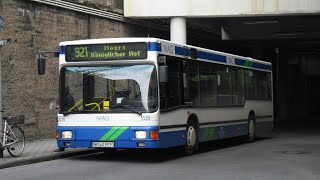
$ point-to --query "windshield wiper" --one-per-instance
(81, 111)
(91, 111)
(96, 111)
(132, 109)
(69, 112)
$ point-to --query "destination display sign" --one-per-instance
(104, 52)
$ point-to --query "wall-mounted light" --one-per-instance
(288, 33)
(260, 22)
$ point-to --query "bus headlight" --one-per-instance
(66, 134)
(141, 135)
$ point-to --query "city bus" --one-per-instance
(125, 93)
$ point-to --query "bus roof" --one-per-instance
(182, 50)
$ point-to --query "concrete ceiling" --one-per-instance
(293, 31)
(301, 32)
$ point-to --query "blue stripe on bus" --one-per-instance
(62, 50)
(172, 139)
(178, 138)
(241, 62)
(211, 56)
(117, 144)
(261, 66)
(222, 132)
(154, 46)
(183, 51)
(83, 136)
(93, 133)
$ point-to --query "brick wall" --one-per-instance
(30, 28)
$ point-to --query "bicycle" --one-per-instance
(12, 138)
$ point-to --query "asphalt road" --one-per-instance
(286, 156)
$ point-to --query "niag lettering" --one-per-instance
(167, 48)
(102, 118)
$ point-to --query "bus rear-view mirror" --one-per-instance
(41, 65)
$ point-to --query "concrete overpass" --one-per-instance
(284, 32)
(240, 19)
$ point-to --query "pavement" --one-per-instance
(43, 150)
(39, 151)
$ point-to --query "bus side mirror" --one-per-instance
(41, 65)
(163, 74)
(42, 60)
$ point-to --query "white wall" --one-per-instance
(213, 8)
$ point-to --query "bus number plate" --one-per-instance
(103, 144)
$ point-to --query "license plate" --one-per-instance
(103, 144)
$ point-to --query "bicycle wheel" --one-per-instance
(17, 148)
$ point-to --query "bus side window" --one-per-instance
(239, 87)
(191, 83)
(250, 84)
(224, 85)
(171, 92)
(207, 76)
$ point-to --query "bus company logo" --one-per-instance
(145, 118)
(231, 60)
(167, 48)
(102, 118)
(221, 131)
(61, 118)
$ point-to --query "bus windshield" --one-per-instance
(109, 89)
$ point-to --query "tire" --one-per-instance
(17, 148)
(191, 138)
(251, 129)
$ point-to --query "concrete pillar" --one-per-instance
(284, 55)
(178, 30)
(276, 84)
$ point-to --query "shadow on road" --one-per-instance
(159, 155)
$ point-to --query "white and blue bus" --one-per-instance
(123, 93)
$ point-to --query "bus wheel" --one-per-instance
(251, 129)
(191, 138)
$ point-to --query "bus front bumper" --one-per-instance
(117, 144)
(106, 137)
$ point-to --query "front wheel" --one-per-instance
(17, 136)
(191, 138)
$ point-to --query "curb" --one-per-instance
(47, 158)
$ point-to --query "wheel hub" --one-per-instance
(191, 137)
